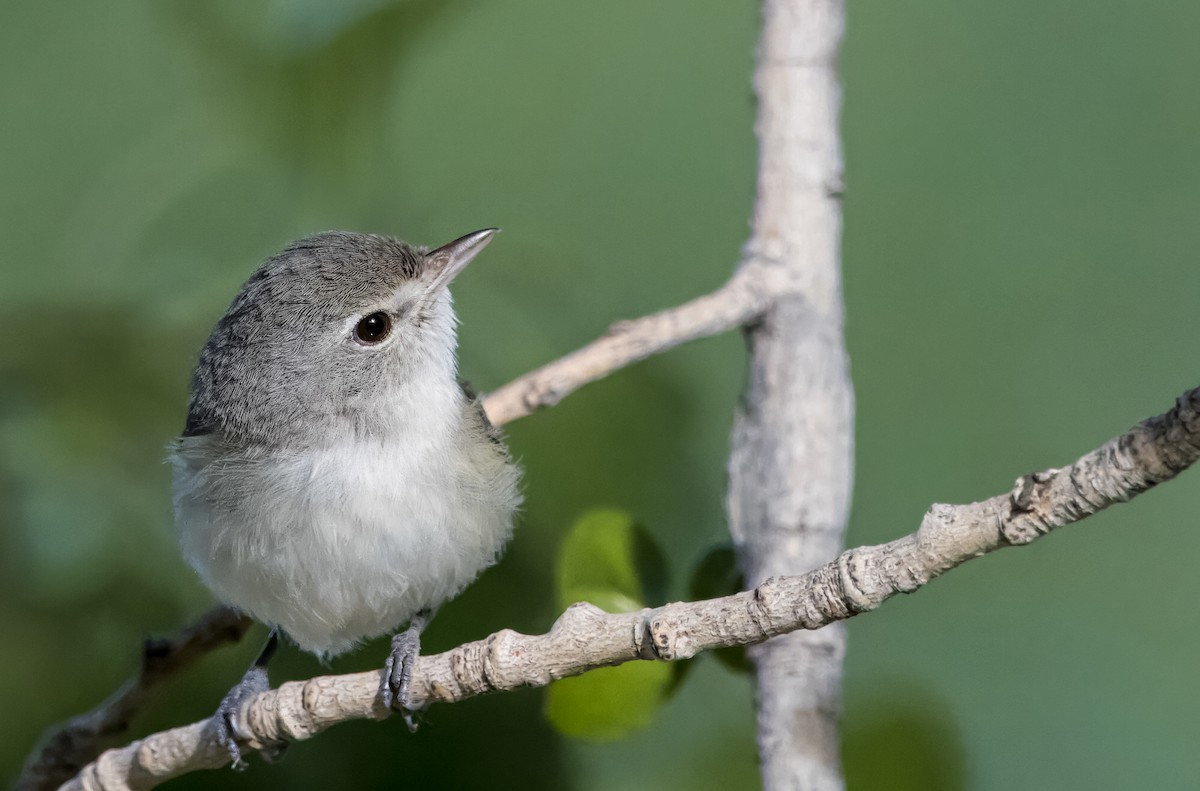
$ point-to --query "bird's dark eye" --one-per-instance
(373, 328)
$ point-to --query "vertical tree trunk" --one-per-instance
(790, 468)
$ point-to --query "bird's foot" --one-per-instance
(396, 686)
(254, 682)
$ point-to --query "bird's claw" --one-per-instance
(395, 688)
(254, 682)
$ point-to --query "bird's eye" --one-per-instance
(373, 328)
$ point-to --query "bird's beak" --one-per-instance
(447, 261)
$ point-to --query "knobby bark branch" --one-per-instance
(791, 455)
(584, 637)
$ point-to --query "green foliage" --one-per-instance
(611, 561)
(611, 702)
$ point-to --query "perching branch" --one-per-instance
(584, 637)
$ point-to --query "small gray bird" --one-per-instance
(334, 479)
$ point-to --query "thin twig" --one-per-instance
(735, 304)
(584, 637)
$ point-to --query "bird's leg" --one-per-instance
(396, 686)
(254, 682)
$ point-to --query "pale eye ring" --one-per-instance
(373, 328)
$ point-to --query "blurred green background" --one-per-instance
(1021, 284)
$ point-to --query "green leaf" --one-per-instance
(717, 575)
(614, 563)
(610, 702)
(611, 561)
(606, 599)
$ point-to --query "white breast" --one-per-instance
(346, 542)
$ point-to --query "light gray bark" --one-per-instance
(790, 468)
